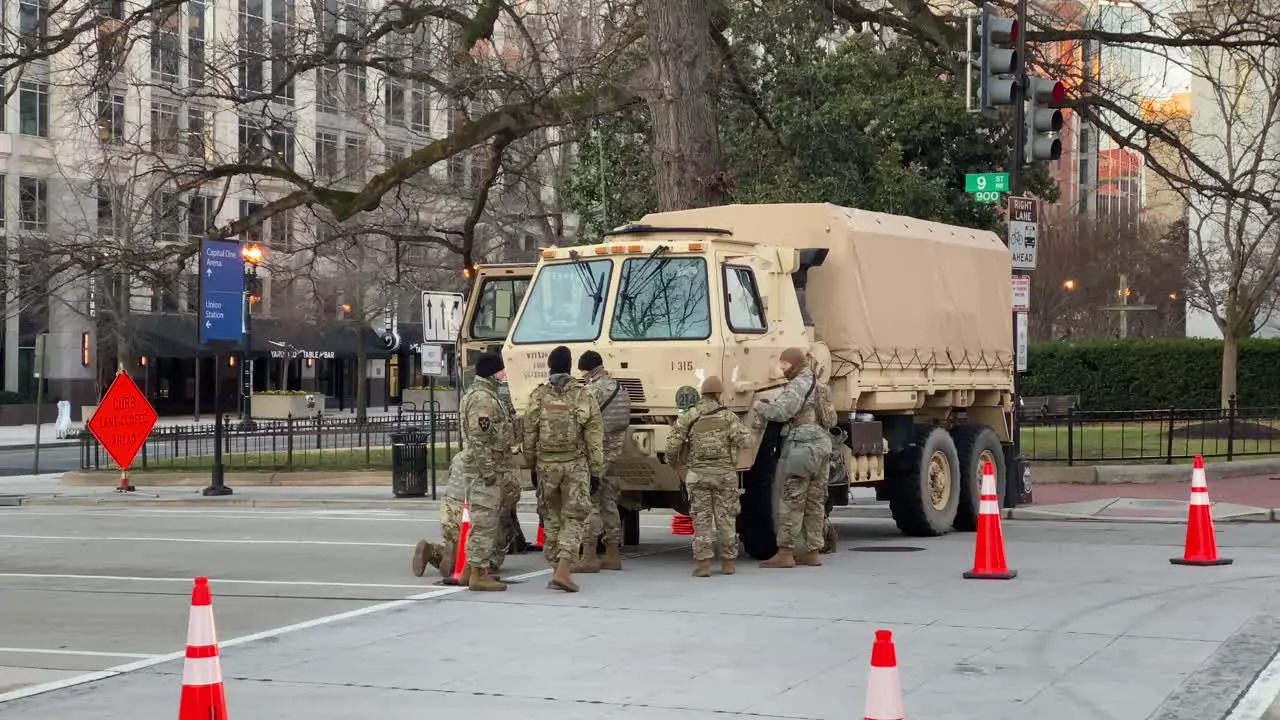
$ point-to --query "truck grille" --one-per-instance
(635, 391)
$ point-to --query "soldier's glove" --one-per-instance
(595, 484)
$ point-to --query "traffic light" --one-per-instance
(1044, 97)
(998, 60)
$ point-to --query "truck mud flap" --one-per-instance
(755, 519)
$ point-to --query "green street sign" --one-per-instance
(986, 182)
(986, 198)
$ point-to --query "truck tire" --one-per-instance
(755, 518)
(976, 444)
(925, 486)
(630, 527)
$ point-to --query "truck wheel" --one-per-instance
(630, 527)
(976, 444)
(926, 484)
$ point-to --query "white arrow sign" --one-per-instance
(207, 324)
(441, 316)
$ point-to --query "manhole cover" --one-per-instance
(886, 548)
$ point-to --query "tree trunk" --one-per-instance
(684, 75)
(1230, 353)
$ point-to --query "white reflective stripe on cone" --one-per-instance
(1197, 478)
(988, 485)
(1199, 498)
(202, 671)
(884, 695)
(200, 627)
(988, 507)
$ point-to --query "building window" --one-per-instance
(280, 228)
(4, 110)
(326, 155)
(253, 40)
(199, 143)
(106, 211)
(33, 24)
(195, 41)
(111, 9)
(33, 109)
(420, 108)
(166, 46)
(395, 152)
(110, 117)
(252, 141)
(282, 23)
(328, 90)
(283, 145)
(355, 157)
(168, 218)
(394, 104)
(253, 234)
(165, 134)
(3, 187)
(200, 215)
(33, 203)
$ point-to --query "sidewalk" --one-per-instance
(23, 437)
(1251, 499)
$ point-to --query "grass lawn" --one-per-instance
(1148, 442)
(373, 458)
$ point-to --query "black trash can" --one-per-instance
(409, 462)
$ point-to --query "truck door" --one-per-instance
(747, 285)
(492, 304)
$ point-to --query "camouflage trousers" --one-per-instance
(714, 506)
(564, 501)
(605, 522)
(801, 509)
(485, 540)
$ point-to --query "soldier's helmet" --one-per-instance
(711, 385)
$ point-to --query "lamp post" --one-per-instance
(251, 254)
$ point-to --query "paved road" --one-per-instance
(1098, 624)
(53, 459)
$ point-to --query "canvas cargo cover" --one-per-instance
(895, 292)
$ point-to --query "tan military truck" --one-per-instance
(908, 320)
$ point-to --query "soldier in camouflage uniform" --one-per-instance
(564, 435)
(615, 411)
(486, 462)
(706, 439)
(804, 462)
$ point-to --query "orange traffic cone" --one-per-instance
(1201, 547)
(988, 555)
(681, 524)
(460, 558)
(884, 688)
(542, 537)
(203, 697)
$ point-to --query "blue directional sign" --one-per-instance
(221, 316)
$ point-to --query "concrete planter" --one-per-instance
(279, 407)
(86, 412)
(419, 400)
(25, 414)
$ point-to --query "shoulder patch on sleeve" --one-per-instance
(484, 422)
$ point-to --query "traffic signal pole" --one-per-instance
(1014, 492)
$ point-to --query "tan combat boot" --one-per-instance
(727, 566)
(465, 578)
(589, 562)
(702, 568)
(482, 581)
(810, 558)
(424, 554)
(448, 556)
(784, 558)
(612, 557)
(562, 579)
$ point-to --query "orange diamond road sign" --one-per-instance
(123, 420)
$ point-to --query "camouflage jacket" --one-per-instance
(616, 414)
(486, 425)
(707, 437)
(563, 423)
(798, 407)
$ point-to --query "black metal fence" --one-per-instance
(324, 443)
(1151, 436)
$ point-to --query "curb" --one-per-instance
(1263, 515)
(43, 445)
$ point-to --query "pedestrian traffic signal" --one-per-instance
(998, 60)
(1044, 97)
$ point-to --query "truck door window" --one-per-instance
(496, 308)
(565, 304)
(743, 309)
(662, 298)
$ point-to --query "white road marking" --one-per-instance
(126, 578)
(204, 541)
(392, 516)
(275, 632)
(88, 653)
(1255, 702)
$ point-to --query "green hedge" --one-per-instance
(1151, 374)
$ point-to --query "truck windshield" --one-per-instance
(565, 304)
(662, 298)
(496, 307)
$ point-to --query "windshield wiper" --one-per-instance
(629, 296)
(590, 283)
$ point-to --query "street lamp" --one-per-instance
(251, 254)
(1068, 284)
